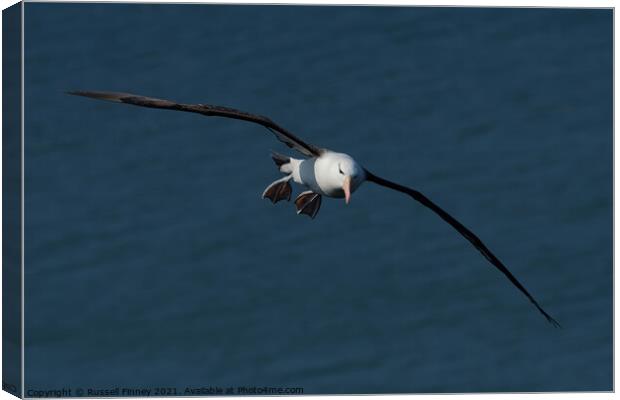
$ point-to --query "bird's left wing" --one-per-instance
(282, 134)
(469, 235)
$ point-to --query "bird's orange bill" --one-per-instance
(346, 187)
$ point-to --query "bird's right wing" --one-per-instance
(282, 134)
(469, 235)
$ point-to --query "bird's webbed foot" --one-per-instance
(308, 203)
(278, 190)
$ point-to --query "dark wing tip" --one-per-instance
(551, 320)
(109, 96)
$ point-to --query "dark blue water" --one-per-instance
(151, 259)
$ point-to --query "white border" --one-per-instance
(429, 3)
(459, 3)
(22, 196)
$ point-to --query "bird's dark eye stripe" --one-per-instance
(339, 169)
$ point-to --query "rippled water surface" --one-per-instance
(151, 259)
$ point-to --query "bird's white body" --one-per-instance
(325, 174)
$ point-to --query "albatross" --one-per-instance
(322, 172)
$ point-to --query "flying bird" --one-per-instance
(323, 172)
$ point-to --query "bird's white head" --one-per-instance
(350, 174)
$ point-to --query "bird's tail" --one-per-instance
(279, 159)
